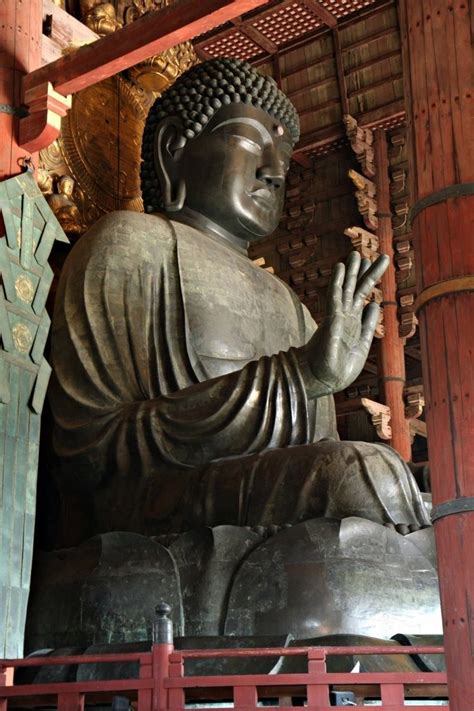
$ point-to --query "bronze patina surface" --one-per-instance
(193, 388)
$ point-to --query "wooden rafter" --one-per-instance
(65, 31)
(320, 11)
(277, 69)
(341, 77)
(149, 35)
(255, 35)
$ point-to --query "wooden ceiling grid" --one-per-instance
(331, 57)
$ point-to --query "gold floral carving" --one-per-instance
(158, 72)
(24, 288)
(22, 337)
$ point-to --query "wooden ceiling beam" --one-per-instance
(376, 84)
(376, 60)
(319, 107)
(319, 139)
(255, 35)
(371, 38)
(393, 110)
(151, 34)
(309, 87)
(64, 32)
(277, 69)
(320, 11)
(302, 159)
(341, 77)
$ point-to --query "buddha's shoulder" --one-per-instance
(126, 234)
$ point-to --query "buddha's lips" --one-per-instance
(264, 197)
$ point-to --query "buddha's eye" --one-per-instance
(248, 144)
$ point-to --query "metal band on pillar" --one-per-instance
(20, 111)
(444, 288)
(464, 504)
(449, 193)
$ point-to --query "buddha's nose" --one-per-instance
(272, 174)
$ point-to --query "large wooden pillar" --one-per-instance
(20, 53)
(436, 41)
(391, 351)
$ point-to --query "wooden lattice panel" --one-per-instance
(287, 23)
(234, 44)
(341, 8)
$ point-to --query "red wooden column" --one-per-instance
(438, 84)
(391, 352)
(20, 53)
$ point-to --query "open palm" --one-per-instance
(339, 348)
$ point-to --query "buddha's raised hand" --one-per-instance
(335, 355)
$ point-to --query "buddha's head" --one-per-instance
(217, 147)
(65, 185)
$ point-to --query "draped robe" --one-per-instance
(178, 399)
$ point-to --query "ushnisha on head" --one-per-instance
(216, 149)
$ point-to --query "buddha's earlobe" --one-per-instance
(169, 141)
(174, 200)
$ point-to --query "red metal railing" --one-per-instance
(162, 684)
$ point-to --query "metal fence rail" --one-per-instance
(163, 685)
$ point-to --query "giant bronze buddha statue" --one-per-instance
(190, 387)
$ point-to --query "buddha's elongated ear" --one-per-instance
(169, 142)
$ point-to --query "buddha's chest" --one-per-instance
(235, 312)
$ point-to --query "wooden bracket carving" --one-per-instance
(362, 183)
(401, 210)
(260, 262)
(361, 143)
(380, 327)
(406, 316)
(365, 196)
(364, 242)
(398, 182)
(380, 415)
(418, 427)
(415, 401)
(42, 126)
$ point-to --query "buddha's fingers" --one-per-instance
(364, 266)
(350, 282)
(369, 324)
(335, 289)
(368, 281)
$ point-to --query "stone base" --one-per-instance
(320, 577)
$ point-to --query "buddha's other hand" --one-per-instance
(335, 355)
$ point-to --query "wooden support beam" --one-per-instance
(65, 33)
(322, 12)
(376, 84)
(302, 159)
(438, 71)
(255, 35)
(341, 77)
(319, 107)
(319, 139)
(310, 87)
(392, 111)
(277, 69)
(391, 355)
(329, 56)
(371, 38)
(151, 34)
(372, 62)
